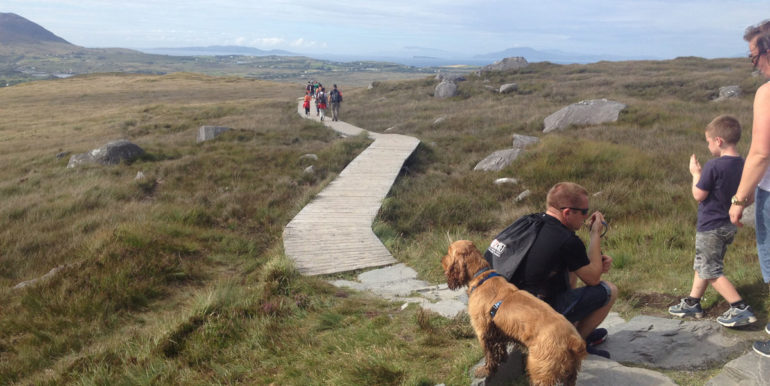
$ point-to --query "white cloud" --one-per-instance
(268, 41)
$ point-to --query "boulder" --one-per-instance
(450, 77)
(110, 154)
(206, 133)
(513, 63)
(445, 89)
(508, 87)
(506, 180)
(498, 160)
(523, 195)
(522, 141)
(588, 112)
(309, 156)
(728, 92)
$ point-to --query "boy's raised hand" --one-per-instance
(694, 165)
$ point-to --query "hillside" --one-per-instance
(33, 53)
(16, 30)
(180, 278)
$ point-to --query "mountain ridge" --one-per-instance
(17, 30)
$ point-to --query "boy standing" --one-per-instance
(713, 186)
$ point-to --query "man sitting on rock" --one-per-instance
(558, 257)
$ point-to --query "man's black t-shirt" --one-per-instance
(556, 252)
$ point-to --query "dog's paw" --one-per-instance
(481, 372)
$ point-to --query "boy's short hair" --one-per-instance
(726, 127)
(565, 194)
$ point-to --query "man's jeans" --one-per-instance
(763, 231)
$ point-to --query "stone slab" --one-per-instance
(750, 369)
(661, 343)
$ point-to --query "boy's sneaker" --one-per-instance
(595, 351)
(762, 348)
(683, 309)
(735, 317)
(596, 337)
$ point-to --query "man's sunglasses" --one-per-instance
(584, 211)
(755, 58)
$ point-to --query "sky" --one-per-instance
(661, 29)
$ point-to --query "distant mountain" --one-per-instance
(16, 30)
(216, 51)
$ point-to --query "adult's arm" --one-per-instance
(758, 158)
(591, 274)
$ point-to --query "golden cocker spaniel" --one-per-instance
(501, 313)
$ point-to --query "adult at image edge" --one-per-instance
(755, 180)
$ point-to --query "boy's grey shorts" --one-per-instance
(710, 248)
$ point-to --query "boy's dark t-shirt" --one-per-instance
(556, 251)
(720, 177)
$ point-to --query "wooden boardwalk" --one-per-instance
(333, 233)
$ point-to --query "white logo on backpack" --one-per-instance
(496, 248)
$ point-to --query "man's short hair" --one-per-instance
(754, 30)
(565, 194)
(725, 127)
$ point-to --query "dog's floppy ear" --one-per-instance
(457, 272)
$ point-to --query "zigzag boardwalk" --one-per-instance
(333, 233)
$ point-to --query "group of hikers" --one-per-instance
(315, 91)
(553, 257)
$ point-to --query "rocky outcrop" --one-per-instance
(588, 112)
(748, 369)
(508, 87)
(728, 92)
(498, 160)
(506, 64)
(450, 77)
(671, 344)
(206, 133)
(522, 141)
(445, 89)
(110, 154)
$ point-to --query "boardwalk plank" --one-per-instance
(333, 232)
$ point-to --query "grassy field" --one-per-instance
(180, 278)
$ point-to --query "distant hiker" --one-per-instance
(755, 180)
(316, 87)
(306, 103)
(315, 95)
(335, 97)
(321, 100)
(712, 187)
